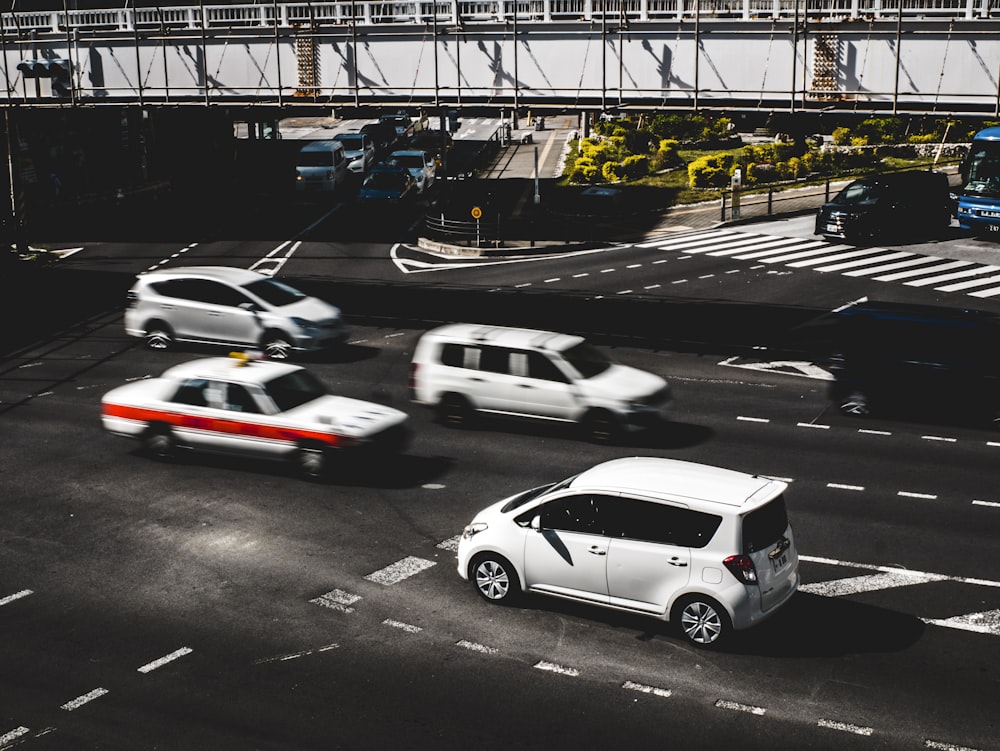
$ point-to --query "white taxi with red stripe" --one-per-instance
(251, 407)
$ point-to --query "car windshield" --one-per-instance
(983, 168)
(410, 161)
(529, 495)
(274, 292)
(860, 193)
(351, 142)
(587, 360)
(294, 389)
(394, 181)
(315, 159)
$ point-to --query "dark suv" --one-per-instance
(897, 204)
(934, 362)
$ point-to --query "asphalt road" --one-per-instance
(226, 604)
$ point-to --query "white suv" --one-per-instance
(463, 368)
(709, 548)
(222, 305)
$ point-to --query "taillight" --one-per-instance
(413, 377)
(742, 568)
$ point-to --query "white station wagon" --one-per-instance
(708, 548)
(250, 407)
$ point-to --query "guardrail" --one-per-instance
(459, 12)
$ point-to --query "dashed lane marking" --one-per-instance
(400, 570)
(845, 727)
(85, 699)
(407, 627)
(642, 689)
(296, 655)
(551, 667)
(177, 654)
(16, 596)
(475, 647)
(337, 599)
(737, 707)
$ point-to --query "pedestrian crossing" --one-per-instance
(878, 264)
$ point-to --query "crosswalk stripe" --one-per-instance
(978, 282)
(921, 272)
(824, 248)
(760, 244)
(986, 292)
(837, 257)
(865, 261)
(690, 238)
(870, 583)
(930, 263)
(764, 254)
(953, 275)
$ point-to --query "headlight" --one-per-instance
(302, 323)
(473, 529)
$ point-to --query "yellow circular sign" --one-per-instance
(476, 212)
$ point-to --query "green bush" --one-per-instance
(666, 155)
(612, 171)
(635, 166)
(841, 136)
(711, 171)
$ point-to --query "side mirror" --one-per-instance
(536, 523)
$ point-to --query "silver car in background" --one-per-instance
(229, 306)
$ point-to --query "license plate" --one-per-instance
(992, 214)
(779, 562)
(832, 228)
(993, 227)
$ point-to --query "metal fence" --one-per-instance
(458, 12)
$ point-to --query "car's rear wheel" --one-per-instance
(159, 442)
(702, 620)
(495, 578)
(855, 404)
(159, 335)
(276, 346)
(454, 411)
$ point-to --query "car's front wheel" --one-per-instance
(702, 620)
(312, 461)
(600, 426)
(495, 578)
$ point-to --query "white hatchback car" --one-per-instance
(708, 548)
(255, 408)
(420, 164)
(230, 306)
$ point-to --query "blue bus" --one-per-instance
(979, 199)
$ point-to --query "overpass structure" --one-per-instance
(893, 56)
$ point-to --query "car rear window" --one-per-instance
(765, 526)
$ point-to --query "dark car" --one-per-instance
(934, 362)
(387, 183)
(383, 135)
(898, 204)
(438, 143)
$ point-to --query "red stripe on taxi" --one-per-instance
(220, 425)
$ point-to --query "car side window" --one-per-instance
(221, 294)
(634, 519)
(539, 366)
(453, 355)
(494, 360)
(192, 392)
(575, 513)
(238, 399)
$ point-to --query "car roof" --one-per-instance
(674, 479)
(408, 152)
(322, 145)
(895, 311)
(233, 368)
(219, 273)
(507, 336)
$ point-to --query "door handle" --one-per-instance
(597, 551)
(675, 561)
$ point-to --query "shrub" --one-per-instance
(635, 166)
(711, 171)
(612, 171)
(841, 136)
(666, 155)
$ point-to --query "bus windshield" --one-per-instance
(982, 170)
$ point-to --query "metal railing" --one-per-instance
(458, 12)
